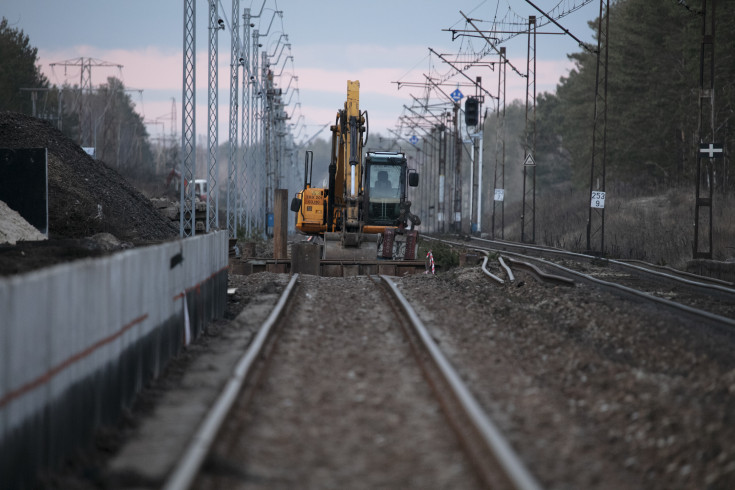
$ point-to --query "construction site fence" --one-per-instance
(79, 340)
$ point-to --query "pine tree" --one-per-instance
(653, 82)
(18, 69)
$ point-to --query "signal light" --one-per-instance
(471, 111)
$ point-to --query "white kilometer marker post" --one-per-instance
(598, 200)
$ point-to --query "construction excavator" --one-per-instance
(364, 212)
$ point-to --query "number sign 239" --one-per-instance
(598, 199)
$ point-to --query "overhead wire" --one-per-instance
(512, 23)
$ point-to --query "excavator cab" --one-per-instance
(385, 192)
(386, 209)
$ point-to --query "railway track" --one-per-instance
(592, 390)
(353, 400)
(703, 299)
(597, 378)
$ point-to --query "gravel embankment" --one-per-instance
(593, 392)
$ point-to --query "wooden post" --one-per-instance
(280, 224)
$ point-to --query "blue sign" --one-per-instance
(456, 95)
(269, 220)
(413, 140)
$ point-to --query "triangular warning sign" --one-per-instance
(529, 160)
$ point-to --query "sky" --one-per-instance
(377, 42)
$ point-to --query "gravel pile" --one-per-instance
(86, 197)
(78, 184)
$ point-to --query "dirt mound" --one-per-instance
(86, 197)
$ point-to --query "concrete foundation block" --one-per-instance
(305, 258)
(332, 270)
(387, 270)
(350, 270)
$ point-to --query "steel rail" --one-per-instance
(184, 473)
(541, 275)
(673, 271)
(716, 320)
(489, 274)
(514, 471)
(676, 278)
(611, 286)
(507, 269)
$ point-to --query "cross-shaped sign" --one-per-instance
(413, 140)
(712, 150)
(456, 95)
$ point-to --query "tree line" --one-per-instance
(103, 118)
(652, 99)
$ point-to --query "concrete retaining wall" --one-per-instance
(79, 340)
